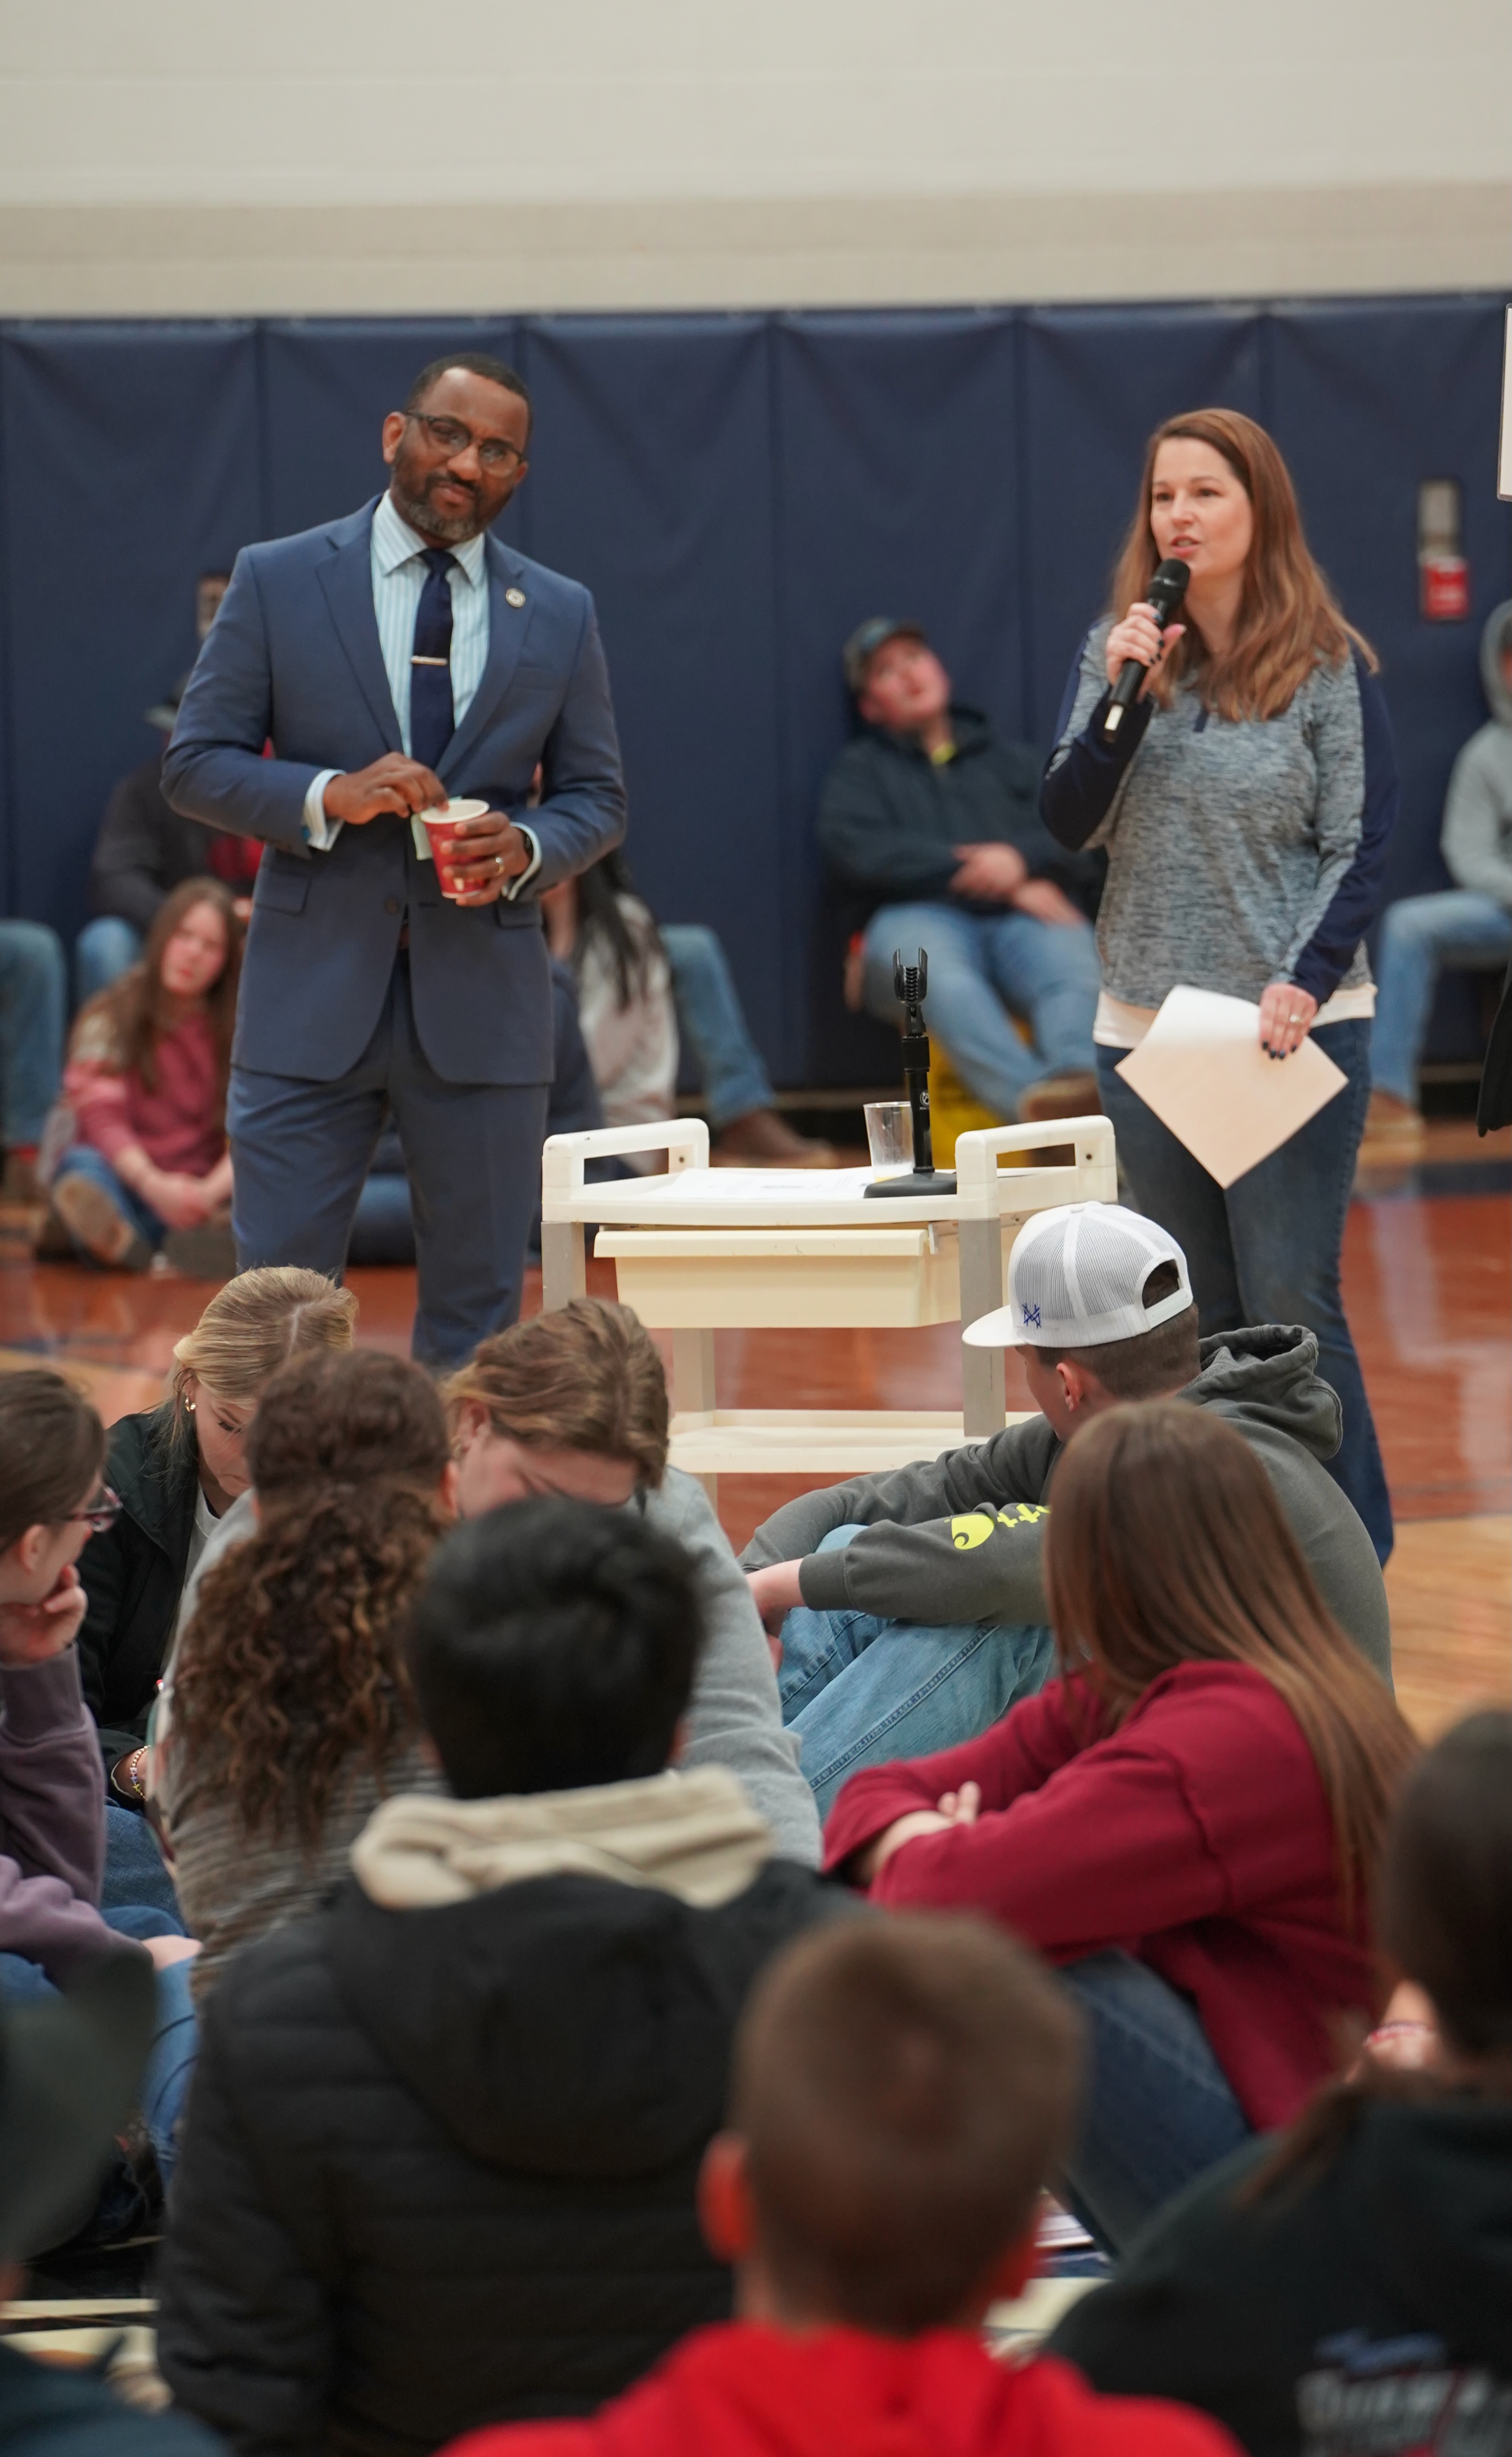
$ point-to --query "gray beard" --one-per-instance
(430, 524)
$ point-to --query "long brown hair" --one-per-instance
(1289, 621)
(1167, 1545)
(292, 1666)
(588, 1377)
(128, 1019)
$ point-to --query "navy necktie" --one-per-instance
(432, 721)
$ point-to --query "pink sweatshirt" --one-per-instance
(178, 1126)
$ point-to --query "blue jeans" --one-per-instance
(171, 2058)
(84, 1161)
(713, 1024)
(34, 1000)
(855, 1702)
(1156, 2108)
(1421, 937)
(135, 1870)
(1267, 1248)
(103, 951)
(978, 965)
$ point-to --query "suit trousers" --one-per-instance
(301, 1152)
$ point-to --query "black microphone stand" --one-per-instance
(910, 984)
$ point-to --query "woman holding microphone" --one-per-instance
(1245, 803)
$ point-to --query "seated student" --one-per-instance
(289, 1713)
(69, 2074)
(53, 1815)
(932, 1620)
(52, 1785)
(145, 1164)
(1468, 925)
(1350, 2287)
(446, 2135)
(931, 825)
(633, 982)
(1188, 1819)
(900, 2093)
(33, 1005)
(176, 1469)
(576, 1402)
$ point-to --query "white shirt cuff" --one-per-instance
(531, 867)
(318, 830)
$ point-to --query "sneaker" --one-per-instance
(1394, 1129)
(761, 1135)
(207, 1253)
(92, 1221)
(1072, 1095)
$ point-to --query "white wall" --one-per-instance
(238, 155)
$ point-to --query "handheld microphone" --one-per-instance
(1165, 593)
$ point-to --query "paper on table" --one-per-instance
(1201, 1068)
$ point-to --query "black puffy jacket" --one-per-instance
(133, 1574)
(439, 2166)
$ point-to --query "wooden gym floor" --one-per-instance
(1428, 1285)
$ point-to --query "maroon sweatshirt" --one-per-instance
(51, 1819)
(1197, 1837)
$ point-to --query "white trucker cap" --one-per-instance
(1074, 1277)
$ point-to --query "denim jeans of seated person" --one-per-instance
(859, 1691)
(175, 2035)
(1157, 2110)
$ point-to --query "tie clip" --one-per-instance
(430, 661)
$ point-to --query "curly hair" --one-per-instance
(292, 1666)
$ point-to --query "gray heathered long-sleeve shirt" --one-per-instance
(1239, 852)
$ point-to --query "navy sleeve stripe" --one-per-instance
(1084, 774)
(1067, 699)
(1357, 899)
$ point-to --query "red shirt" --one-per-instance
(1196, 1836)
(741, 2390)
(179, 1124)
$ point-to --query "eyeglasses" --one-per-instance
(451, 436)
(102, 1513)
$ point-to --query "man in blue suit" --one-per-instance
(392, 660)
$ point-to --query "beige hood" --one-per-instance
(694, 1835)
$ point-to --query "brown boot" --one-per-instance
(87, 1211)
(1072, 1095)
(763, 1137)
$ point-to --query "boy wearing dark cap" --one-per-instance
(901, 2090)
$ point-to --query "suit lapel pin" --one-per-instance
(514, 597)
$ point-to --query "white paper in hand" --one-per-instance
(1201, 1068)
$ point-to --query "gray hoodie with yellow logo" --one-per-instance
(959, 1538)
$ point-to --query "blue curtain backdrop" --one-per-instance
(738, 491)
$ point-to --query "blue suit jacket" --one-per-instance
(294, 656)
